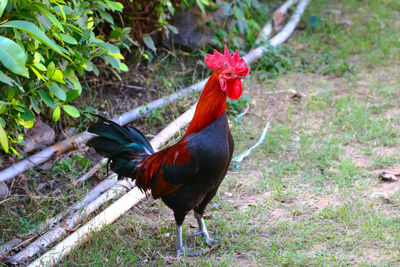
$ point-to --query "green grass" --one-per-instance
(307, 195)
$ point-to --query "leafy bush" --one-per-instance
(44, 47)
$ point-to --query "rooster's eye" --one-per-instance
(228, 74)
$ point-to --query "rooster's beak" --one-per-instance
(244, 77)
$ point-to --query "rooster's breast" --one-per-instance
(211, 152)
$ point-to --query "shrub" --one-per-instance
(45, 46)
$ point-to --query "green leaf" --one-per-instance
(110, 47)
(13, 56)
(149, 43)
(114, 6)
(24, 123)
(173, 29)
(112, 61)
(33, 30)
(68, 39)
(61, 9)
(70, 76)
(50, 16)
(35, 104)
(201, 6)
(40, 66)
(5, 79)
(37, 73)
(58, 76)
(123, 67)
(3, 4)
(48, 100)
(238, 13)
(3, 139)
(50, 70)
(28, 115)
(72, 95)
(56, 90)
(2, 108)
(107, 17)
(72, 111)
(56, 113)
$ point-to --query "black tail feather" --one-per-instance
(119, 144)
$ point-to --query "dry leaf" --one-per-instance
(389, 175)
(4, 191)
(213, 247)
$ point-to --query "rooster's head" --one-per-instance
(232, 68)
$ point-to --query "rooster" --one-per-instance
(186, 176)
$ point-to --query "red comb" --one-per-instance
(218, 61)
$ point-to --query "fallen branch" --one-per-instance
(92, 171)
(240, 157)
(243, 113)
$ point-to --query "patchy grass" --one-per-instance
(309, 195)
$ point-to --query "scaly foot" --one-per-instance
(206, 238)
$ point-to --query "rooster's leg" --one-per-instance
(203, 230)
(180, 249)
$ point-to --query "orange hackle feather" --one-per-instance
(211, 99)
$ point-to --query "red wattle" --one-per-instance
(235, 89)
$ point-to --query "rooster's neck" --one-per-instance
(211, 105)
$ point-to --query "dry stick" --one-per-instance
(70, 223)
(51, 222)
(110, 214)
(134, 196)
(74, 141)
(92, 171)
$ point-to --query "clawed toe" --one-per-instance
(198, 233)
(211, 241)
(206, 239)
(190, 252)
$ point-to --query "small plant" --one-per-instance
(275, 62)
(235, 107)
